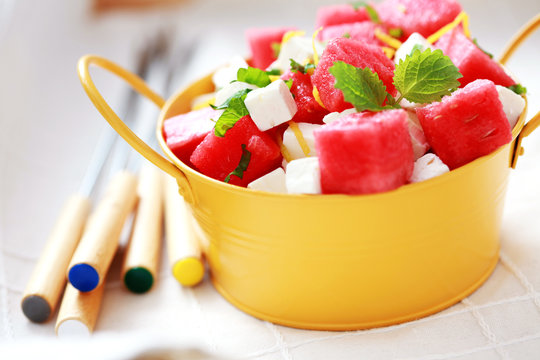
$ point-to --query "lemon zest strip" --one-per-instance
(461, 18)
(300, 138)
(315, 55)
(290, 34)
(389, 52)
(387, 39)
(317, 96)
(284, 151)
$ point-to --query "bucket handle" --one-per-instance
(119, 126)
(512, 46)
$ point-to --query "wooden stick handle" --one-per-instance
(184, 253)
(142, 255)
(98, 245)
(48, 279)
(79, 311)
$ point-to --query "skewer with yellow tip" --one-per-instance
(185, 257)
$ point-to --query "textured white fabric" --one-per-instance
(48, 129)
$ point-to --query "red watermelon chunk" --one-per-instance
(217, 157)
(466, 125)
(261, 42)
(472, 62)
(354, 53)
(365, 153)
(309, 109)
(421, 16)
(340, 14)
(360, 31)
(184, 132)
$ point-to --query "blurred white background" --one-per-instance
(49, 128)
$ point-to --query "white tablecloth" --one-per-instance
(48, 132)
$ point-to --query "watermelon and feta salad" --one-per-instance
(380, 95)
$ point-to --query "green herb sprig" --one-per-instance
(422, 77)
(235, 109)
(518, 89)
(242, 165)
(357, 5)
(297, 67)
(253, 76)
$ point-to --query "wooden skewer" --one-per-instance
(184, 253)
(99, 242)
(142, 255)
(48, 279)
(79, 311)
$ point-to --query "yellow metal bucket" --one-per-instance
(338, 262)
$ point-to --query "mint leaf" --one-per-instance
(273, 72)
(370, 10)
(395, 32)
(391, 102)
(236, 109)
(415, 47)
(484, 51)
(289, 84)
(253, 76)
(295, 67)
(237, 95)
(518, 89)
(242, 165)
(426, 76)
(276, 49)
(346, 35)
(360, 87)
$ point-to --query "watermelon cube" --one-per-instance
(340, 14)
(472, 62)
(354, 53)
(261, 42)
(466, 125)
(421, 16)
(359, 31)
(365, 153)
(184, 132)
(217, 157)
(309, 109)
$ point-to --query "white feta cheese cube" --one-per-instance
(230, 89)
(293, 145)
(427, 167)
(303, 176)
(297, 48)
(271, 105)
(407, 47)
(418, 138)
(274, 181)
(226, 74)
(333, 116)
(513, 104)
